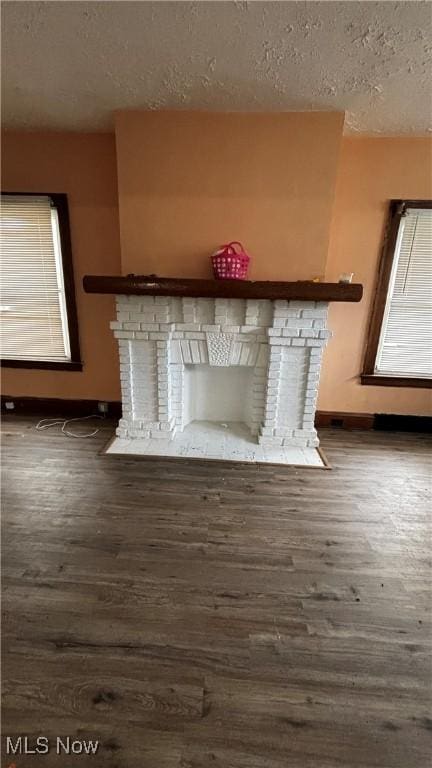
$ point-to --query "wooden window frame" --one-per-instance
(60, 202)
(369, 376)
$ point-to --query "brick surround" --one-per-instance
(281, 341)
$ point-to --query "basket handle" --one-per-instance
(234, 243)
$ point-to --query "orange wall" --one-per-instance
(371, 172)
(83, 166)
(177, 205)
(189, 181)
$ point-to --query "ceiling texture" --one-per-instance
(70, 65)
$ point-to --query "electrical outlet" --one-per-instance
(9, 405)
(103, 407)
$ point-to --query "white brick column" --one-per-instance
(126, 386)
(296, 342)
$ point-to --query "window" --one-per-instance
(399, 350)
(38, 313)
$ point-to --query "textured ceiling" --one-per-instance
(69, 65)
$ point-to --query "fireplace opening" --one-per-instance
(219, 395)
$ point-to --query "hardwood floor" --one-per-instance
(206, 615)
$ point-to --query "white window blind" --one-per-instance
(405, 345)
(33, 307)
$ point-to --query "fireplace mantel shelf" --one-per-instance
(145, 285)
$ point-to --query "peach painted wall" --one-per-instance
(372, 171)
(166, 229)
(83, 166)
(189, 181)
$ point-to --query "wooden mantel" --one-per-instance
(144, 285)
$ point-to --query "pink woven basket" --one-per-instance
(230, 262)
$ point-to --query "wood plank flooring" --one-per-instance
(206, 615)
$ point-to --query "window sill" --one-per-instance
(377, 380)
(48, 365)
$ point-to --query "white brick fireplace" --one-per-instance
(254, 362)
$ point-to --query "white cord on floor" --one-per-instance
(64, 422)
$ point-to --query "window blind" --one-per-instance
(33, 307)
(405, 345)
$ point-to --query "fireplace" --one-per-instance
(222, 369)
(221, 360)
